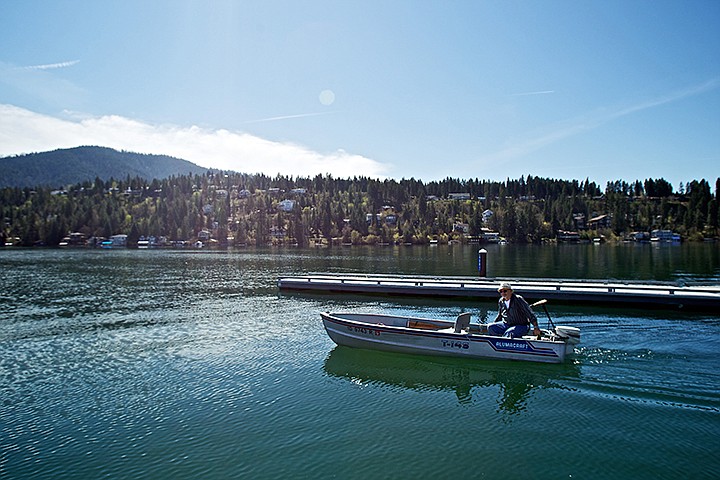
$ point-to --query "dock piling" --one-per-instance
(482, 262)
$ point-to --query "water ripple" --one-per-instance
(174, 365)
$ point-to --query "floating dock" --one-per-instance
(607, 293)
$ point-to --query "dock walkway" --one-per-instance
(609, 293)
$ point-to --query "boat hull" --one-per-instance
(393, 334)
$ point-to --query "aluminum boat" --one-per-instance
(426, 336)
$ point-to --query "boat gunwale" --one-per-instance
(426, 332)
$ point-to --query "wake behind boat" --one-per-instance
(446, 338)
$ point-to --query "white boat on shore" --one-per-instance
(446, 338)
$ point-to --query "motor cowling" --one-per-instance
(570, 335)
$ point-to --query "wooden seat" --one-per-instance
(422, 325)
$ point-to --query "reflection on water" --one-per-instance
(516, 381)
(685, 263)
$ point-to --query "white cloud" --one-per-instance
(525, 94)
(52, 66)
(23, 131)
(286, 117)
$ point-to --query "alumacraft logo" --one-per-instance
(511, 345)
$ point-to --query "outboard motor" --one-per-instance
(571, 335)
(462, 323)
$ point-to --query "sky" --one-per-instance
(603, 90)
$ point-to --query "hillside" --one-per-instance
(237, 209)
(59, 168)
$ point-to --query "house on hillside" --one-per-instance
(463, 228)
(390, 220)
(579, 220)
(599, 222)
(459, 196)
(286, 205)
(486, 215)
(277, 232)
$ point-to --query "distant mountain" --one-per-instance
(74, 165)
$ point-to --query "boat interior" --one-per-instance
(461, 325)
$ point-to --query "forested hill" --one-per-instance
(234, 209)
(60, 168)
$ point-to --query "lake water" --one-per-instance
(191, 364)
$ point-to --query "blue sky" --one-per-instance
(605, 90)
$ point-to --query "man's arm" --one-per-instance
(531, 316)
(499, 314)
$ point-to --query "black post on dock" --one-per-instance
(482, 262)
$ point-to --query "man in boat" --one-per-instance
(514, 315)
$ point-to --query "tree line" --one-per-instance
(240, 209)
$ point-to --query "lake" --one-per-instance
(154, 364)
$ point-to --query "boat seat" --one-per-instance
(462, 322)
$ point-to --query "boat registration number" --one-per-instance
(455, 344)
(366, 331)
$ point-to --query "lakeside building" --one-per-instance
(664, 236)
(566, 236)
(489, 236)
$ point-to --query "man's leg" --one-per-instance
(497, 329)
(516, 331)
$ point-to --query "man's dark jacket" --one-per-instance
(519, 312)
